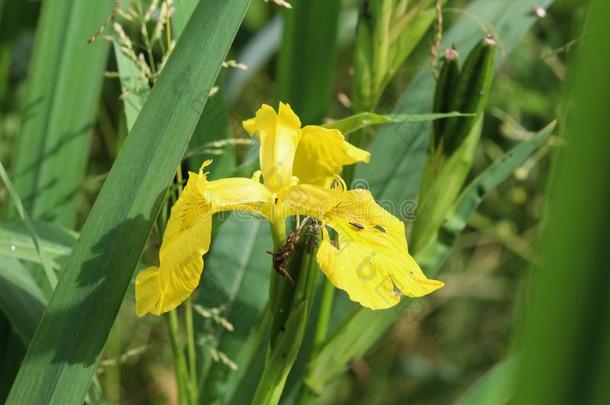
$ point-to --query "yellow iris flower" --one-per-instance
(298, 166)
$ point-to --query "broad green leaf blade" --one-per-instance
(398, 152)
(238, 285)
(21, 301)
(496, 387)
(65, 79)
(307, 57)
(367, 119)
(182, 13)
(64, 352)
(566, 333)
(364, 327)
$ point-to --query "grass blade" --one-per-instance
(496, 387)
(134, 85)
(367, 119)
(55, 243)
(566, 333)
(436, 252)
(255, 54)
(63, 355)
(21, 300)
(307, 57)
(65, 81)
(51, 277)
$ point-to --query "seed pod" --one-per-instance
(472, 93)
(446, 87)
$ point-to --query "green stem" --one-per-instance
(173, 329)
(306, 394)
(192, 357)
(112, 374)
(326, 307)
(278, 233)
(286, 343)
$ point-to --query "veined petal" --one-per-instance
(371, 262)
(322, 153)
(279, 135)
(187, 238)
(239, 194)
(306, 199)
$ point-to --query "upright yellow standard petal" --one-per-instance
(279, 135)
(322, 153)
(187, 238)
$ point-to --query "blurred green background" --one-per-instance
(437, 351)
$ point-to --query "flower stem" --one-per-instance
(326, 307)
(290, 316)
(278, 233)
(306, 395)
(173, 329)
(192, 357)
(285, 344)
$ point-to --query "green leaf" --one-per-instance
(255, 54)
(434, 254)
(364, 327)
(238, 285)
(59, 110)
(398, 152)
(63, 355)
(496, 387)
(55, 242)
(46, 265)
(183, 12)
(367, 119)
(21, 300)
(307, 57)
(214, 129)
(134, 85)
(566, 331)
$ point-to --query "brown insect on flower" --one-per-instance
(281, 258)
(357, 225)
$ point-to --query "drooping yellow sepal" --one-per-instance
(371, 262)
(187, 238)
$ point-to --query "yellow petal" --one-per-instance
(306, 199)
(322, 153)
(187, 238)
(239, 194)
(371, 262)
(279, 135)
